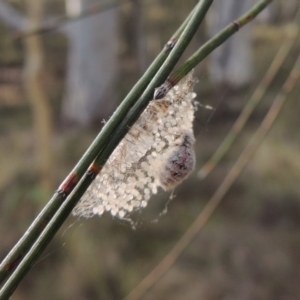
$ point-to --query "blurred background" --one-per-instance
(56, 88)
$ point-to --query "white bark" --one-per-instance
(92, 65)
(231, 63)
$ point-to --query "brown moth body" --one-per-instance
(180, 162)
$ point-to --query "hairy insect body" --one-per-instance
(180, 162)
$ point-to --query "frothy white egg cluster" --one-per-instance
(157, 152)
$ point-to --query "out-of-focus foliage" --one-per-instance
(251, 247)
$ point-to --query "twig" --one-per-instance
(254, 100)
(42, 220)
(22, 247)
(208, 47)
(13, 258)
(112, 141)
(218, 196)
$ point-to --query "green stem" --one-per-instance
(254, 100)
(209, 46)
(168, 261)
(21, 248)
(112, 141)
(67, 207)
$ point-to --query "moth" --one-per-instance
(156, 153)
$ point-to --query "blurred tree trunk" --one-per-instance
(134, 37)
(33, 79)
(92, 65)
(231, 63)
(138, 17)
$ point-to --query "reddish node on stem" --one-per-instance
(68, 185)
(12, 265)
(93, 171)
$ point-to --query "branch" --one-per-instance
(257, 96)
(114, 124)
(11, 261)
(208, 47)
(112, 142)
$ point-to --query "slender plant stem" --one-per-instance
(21, 248)
(169, 260)
(257, 96)
(209, 46)
(13, 258)
(18, 252)
(66, 208)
